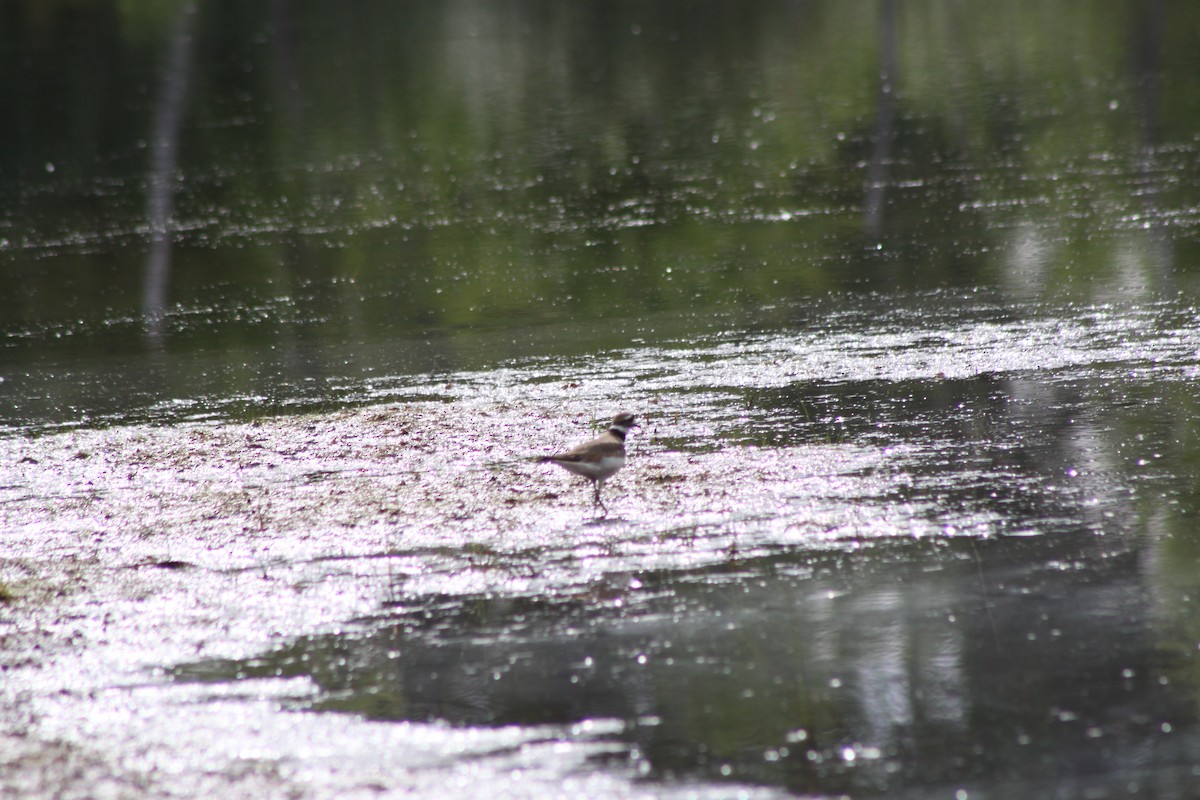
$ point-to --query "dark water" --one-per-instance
(201, 202)
(891, 674)
(961, 235)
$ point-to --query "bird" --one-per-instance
(599, 459)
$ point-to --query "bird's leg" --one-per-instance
(596, 496)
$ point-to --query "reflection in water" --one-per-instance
(913, 668)
(164, 163)
(496, 163)
(883, 132)
(488, 183)
(1148, 47)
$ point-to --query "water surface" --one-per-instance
(905, 295)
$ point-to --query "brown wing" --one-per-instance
(594, 450)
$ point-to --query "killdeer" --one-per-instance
(599, 459)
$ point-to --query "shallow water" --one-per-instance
(904, 296)
(932, 571)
